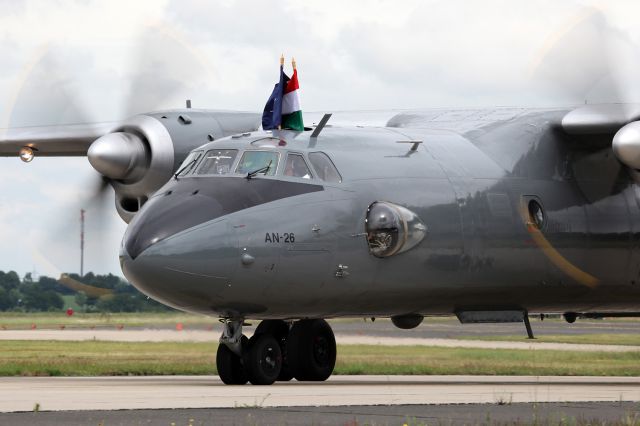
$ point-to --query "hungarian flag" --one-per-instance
(291, 112)
(283, 106)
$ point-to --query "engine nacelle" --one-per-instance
(626, 145)
(140, 155)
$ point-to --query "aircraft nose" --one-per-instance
(195, 255)
(167, 214)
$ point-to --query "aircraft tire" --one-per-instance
(230, 368)
(311, 350)
(263, 359)
(280, 330)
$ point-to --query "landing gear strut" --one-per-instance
(276, 352)
(229, 356)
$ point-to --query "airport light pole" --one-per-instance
(81, 242)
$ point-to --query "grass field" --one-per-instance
(88, 358)
(17, 320)
(20, 320)
(596, 338)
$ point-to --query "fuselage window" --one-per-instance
(297, 167)
(218, 162)
(324, 167)
(264, 161)
(536, 214)
(189, 163)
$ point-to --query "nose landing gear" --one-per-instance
(306, 351)
(229, 356)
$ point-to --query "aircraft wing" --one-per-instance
(71, 140)
(461, 120)
(586, 120)
(376, 118)
(599, 119)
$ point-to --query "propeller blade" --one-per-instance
(161, 67)
(592, 61)
(48, 94)
(574, 62)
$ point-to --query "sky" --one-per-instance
(65, 61)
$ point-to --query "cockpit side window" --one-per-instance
(324, 167)
(189, 163)
(297, 167)
(218, 162)
(264, 161)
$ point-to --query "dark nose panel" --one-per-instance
(192, 201)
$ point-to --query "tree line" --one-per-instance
(46, 294)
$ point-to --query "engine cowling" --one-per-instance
(140, 155)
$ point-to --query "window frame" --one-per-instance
(185, 162)
(341, 179)
(306, 163)
(277, 170)
(232, 169)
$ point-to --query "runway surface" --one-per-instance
(594, 413)
(119, 393)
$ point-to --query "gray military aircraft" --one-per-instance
(489, 214)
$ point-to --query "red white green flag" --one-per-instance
(291, 111)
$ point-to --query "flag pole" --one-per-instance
(281, 64)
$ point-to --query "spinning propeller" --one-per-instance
(131, 155)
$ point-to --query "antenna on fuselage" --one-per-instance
(320, 125)
(414, 145)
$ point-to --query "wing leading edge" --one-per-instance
(71, 140)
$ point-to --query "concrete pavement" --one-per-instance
(119, 393)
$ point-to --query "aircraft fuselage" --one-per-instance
(282, 246)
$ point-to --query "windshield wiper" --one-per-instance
(264, 170)
(189, 164)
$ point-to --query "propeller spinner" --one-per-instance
(119, 156)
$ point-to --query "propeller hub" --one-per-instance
(119, 155)
(626, 145)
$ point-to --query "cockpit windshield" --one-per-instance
(218, 162)
(315, 165)
(324, 167)
(296, 167)
(257, 160)
(188, 164)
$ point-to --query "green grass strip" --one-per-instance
(627, 339)
(98, 358)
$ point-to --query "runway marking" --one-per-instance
(115, 393)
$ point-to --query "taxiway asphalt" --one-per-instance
(624, 413)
